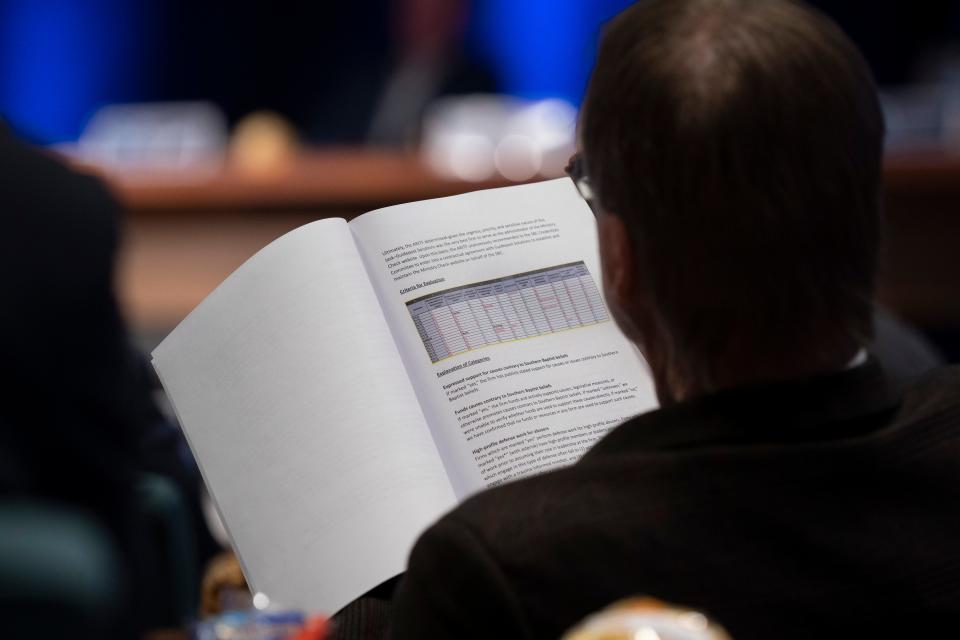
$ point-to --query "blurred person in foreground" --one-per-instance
(78, 424)
(732, 152)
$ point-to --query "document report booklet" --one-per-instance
(351, 382)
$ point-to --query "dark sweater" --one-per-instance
(827, 508)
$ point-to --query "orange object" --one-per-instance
(315, 629)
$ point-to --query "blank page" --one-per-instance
(306, 428)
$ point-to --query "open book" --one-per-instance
(350, 383)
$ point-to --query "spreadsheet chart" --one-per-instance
(522, 305)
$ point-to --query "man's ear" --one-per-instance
(617, 259)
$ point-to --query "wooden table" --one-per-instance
(187, 230)
(319, 181)
(920, 273)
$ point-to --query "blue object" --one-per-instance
(541, 48)
(62, 59)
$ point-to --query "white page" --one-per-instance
(531, 370)
(304, 423)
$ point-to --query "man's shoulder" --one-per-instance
(633, 519)
(935, 391)
(527, 496)
(620, 489)
(592, 498)
(930, 409)
(508, 557)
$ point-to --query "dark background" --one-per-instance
(62, 59)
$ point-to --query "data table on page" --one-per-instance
(514, 307)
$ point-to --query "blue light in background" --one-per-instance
(60, 60)
(541, 48)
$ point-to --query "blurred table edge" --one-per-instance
(356, 179)
(928, 171)
(188, 229)
(315, 179)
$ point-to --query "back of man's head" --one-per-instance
(740, 142)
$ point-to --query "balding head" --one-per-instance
(739, 143)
